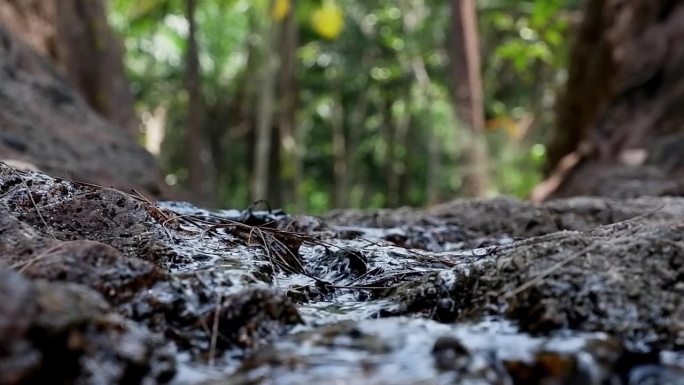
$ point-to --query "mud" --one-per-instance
(575, 291)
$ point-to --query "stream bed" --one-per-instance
(98, 286)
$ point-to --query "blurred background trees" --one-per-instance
(318, 104)
(315, 104)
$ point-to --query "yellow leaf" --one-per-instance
(280, 10)
(328, 20)
(506, 124)
(515, 129)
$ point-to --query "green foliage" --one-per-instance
(365, 81)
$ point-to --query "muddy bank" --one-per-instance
(577, 291)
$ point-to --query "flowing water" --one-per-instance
(354, 330)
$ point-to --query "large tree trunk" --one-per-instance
(43, 121)
(620, 121)
(75, 35)
(465, 61)
(591, 78)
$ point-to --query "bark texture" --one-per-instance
(75, 36)
(45, 124)
(621, 120)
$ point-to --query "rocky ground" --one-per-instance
(98, 286)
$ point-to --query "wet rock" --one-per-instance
(71, 211)
(96, 265)
(449, 353)
(133, 250)
(550, 367)
(304, 224)
(622, 279)
(66, 333)
(441, 295)
(17, 358)
(467, 224)
(248, 319)
(194, 309)
(20, 242)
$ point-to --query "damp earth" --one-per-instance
(99, 286)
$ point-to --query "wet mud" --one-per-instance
(98, 286)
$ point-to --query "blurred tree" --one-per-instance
(589, 87)
(288, 90)
(621, 127)
(465, 57)
(196, 166)
(76, 36)
(265, 109)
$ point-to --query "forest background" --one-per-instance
(313, 104)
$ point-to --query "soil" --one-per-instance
(119, 289)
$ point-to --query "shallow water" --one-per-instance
(347, 337)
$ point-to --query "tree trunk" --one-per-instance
(359, 104)
(465, 62)
(341, 182)
(591, 78)
(287, 108)
(424, 101)
(386, 135)
(196, 172)
(43, 122)
(620, 122)
(434, 169)
(274, 194)
(264, 114)
(356, 127)
(75, 35)
(397, 158)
